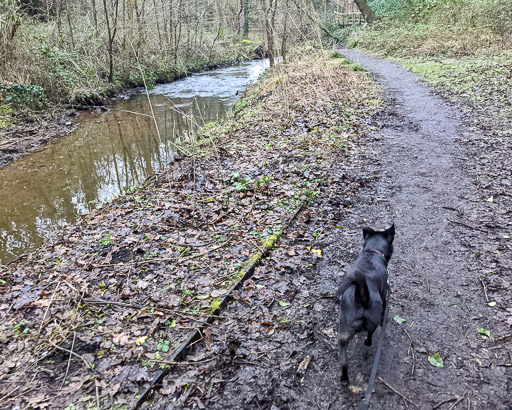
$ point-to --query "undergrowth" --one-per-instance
(462, 47)
(449, 28)
(485, 83)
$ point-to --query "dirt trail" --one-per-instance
(411, 171)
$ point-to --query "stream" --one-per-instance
(109, 153)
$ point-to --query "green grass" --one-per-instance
(462, 47)
(485, 83)
(5, 115)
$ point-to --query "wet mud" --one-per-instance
(440, 181)
(33, 133)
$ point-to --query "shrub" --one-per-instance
(23, 96)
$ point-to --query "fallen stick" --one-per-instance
(445, 401)
(71, 352)
(485, 289)
(457, 402)
(397, 392)
(466, 226)
(69, 361)
(182, 363)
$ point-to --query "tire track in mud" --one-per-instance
(411, 171)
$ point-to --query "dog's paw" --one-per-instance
(344, 375)
(367, 342)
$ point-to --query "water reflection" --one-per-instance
(48, 190)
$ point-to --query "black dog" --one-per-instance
(363, 291)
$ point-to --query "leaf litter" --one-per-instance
(94, 313)
(250, 367)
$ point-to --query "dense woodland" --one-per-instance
(78, 50)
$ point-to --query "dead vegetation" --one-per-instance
(93, 316)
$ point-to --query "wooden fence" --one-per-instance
(349, 19)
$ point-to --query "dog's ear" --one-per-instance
(390, 232)
(367, 232)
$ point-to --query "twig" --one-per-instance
(97, 396)
(197, 255)
(485, 289)
(197, 341)
(220, 217)
(247, 362)
(445, 401)
(466, 226)
(323, 297)
(69, 361)
(453, 209)
(457, 402)
(15, 397)
(46, 312)
(256, 245)
(182, 363)
(71, 352)
(8, 394)
(397, 392)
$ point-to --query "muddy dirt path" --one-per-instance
(412, 171)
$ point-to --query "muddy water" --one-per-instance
(108, 153)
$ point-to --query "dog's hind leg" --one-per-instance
(368, 340)
(344, 365)
(343, 344)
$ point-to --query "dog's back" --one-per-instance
(362, 294)
(363, 291)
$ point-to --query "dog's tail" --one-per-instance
(361, 294)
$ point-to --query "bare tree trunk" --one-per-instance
(285, 32)
(111, 32)
(71, 30)
(94, 14)
(219, 32)
(59, 21)
(157, 23)
(269, 16)
(246, 18)
(367, 12)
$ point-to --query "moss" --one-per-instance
(269, 241)
(214, 305)
(5, 115)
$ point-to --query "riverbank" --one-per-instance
(96, 314)
(26, 131)
(109, 153)
(447, 343)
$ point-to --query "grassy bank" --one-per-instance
(463, 48)
(123, 289)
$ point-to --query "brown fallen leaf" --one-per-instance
(355, 389)
(303, 366)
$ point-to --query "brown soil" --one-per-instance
(416, 163)
(33, 132)
(418, 168)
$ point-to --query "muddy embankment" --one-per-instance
(110, 153)
(30, 131)
(93, 316)
(423, 166)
